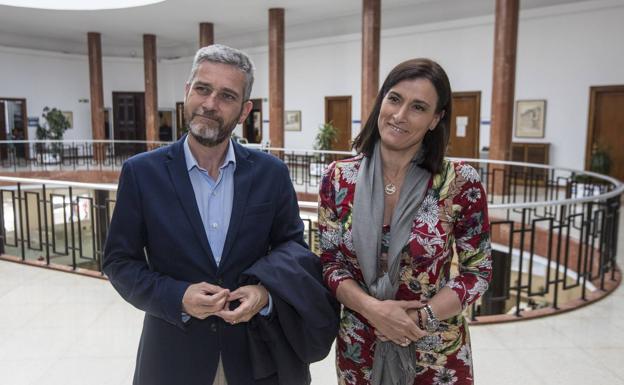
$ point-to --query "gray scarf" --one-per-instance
(393, 364)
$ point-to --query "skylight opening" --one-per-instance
(78, 5)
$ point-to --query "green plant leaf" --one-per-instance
(54, 126)
(325, 137)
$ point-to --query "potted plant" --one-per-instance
(324, 141)
(52, 126)
(326, 137)
(600, 160)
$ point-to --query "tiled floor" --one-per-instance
(58, 328)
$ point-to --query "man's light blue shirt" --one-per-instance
(214, 200)
(214, 197)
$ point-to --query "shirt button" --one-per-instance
(219, 281)
(213, 327)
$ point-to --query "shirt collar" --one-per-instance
(191, 162)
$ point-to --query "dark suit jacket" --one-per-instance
(305, 319)
(157, 247)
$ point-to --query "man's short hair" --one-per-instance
(218, 53)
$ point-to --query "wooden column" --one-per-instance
(503, 85)
(206, 34)
(94, 42)
(371, 25)
(276, 77)
(96, 85)
(151, 88)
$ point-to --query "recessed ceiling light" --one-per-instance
(78, 5)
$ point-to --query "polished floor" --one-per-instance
(63, 329)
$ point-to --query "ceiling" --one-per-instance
(240, 23)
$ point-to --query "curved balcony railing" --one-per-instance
(554, 237)
(554, 230)
(69, 155)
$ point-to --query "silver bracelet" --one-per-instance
(433, 323)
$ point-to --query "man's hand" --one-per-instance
(252, 299)
(203, 299)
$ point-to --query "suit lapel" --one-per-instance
(242, 183)
(176, 165)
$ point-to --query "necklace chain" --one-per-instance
(390, 187)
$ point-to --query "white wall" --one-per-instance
(61, 80)
(560, 56)
(562, 51)
(463, 48)
(46, 79)
(313, 69)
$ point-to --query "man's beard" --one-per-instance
(211, 136)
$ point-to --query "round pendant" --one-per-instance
(390, 189)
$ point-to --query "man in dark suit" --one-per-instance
(190, 219)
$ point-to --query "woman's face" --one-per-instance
(407, 112)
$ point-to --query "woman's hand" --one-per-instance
(389, 317)
(392, 323)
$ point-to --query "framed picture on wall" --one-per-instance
(292, 121)
(530, 118)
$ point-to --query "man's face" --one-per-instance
(214, 104)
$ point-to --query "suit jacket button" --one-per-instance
(219, 281)
(213, 327)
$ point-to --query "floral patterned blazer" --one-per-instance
(453, 213)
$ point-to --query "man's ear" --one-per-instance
(247, 106)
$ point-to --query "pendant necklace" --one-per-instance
(390, 188)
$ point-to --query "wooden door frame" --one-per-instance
(25, 120)
(2, 115)
(256, 107)
(330, 98)
(4, 149)
(341, 97)
(180, 121)
(478, 94)
(115, 115)
(593, 93)
(24, 113)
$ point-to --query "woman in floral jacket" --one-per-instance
(388, 221)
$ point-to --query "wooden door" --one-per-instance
(338, 111)
(129, 120)
(165, 125)
(3, 134)
(465, 124)
(108, 126)
(252, 126)
(15, 111)
(180, 120)
(606, 127)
